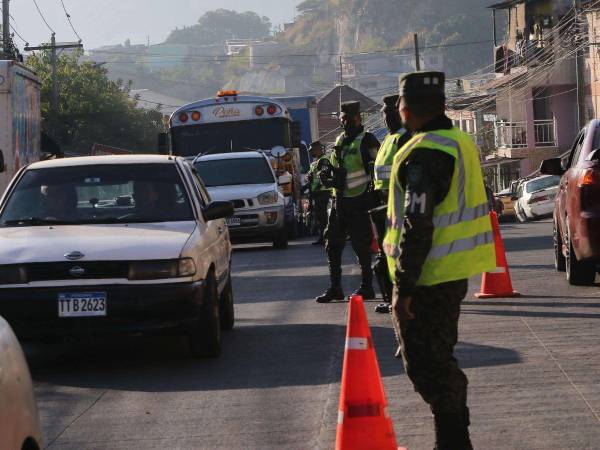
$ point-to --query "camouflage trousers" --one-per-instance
(427, 346)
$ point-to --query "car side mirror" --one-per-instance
(552, 166)
(594, 156)
(218, 210)
(163, 145)
(2, 165)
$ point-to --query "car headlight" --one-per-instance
(268, 198)
(162, 269)
(13, 274)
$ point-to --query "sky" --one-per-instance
(106, 22)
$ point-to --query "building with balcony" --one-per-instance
(535, 88)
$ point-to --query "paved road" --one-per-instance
(533, 364)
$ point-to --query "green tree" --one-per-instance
(215, 27)
(92, 108)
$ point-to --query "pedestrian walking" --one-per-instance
(439, 234)
(351, 176)
(319, 194)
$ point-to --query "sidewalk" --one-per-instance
(533, 362)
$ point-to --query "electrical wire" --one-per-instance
(42, 16)
(14, 30)
(69, 19)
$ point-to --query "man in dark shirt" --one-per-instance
(430, 271)
(353, 190)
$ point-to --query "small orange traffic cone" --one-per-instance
(497, 284)
(363, 423)
(374, 244)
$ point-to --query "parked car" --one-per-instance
(577, 207)
(535, 197)
(19, 422)
(109, 244)
(248, 180)
(508, 204)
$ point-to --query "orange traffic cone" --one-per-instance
(497, 284)
(363, 423)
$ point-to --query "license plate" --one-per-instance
(234, 221)
(86, 304)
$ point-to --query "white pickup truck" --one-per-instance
(248, 181)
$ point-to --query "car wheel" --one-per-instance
(579, 273)
(521, 217)
(205, 337)
(560, 262)
(227, 312)
(281, 240)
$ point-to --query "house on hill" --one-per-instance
(328, 107)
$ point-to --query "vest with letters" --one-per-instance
(463, 242)
(315, 181)
(385, 158)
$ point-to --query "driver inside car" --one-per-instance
(60, 202)
(153, 199)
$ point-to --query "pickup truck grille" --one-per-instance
(76, 270)
(242, 203)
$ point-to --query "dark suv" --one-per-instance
(577, 207)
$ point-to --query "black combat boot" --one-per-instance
(366, 291)
(450, 432)
(332, 293)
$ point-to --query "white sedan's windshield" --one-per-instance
(98, 194)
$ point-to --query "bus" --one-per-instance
(231, 122)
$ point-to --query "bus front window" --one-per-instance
(223, 137)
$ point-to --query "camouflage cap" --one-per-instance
(351, 108)
(422, 84)
(390, 102)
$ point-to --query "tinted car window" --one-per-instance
(542, 183)
(98, 194)
(230, 172)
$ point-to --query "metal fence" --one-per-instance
(545, 133)
(511, 134)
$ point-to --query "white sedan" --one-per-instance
(19, 422)
(110, 244)
(535, 198)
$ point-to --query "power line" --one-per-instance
(69, 19)
(12, 27)
(42, 16)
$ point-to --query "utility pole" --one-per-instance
(6, 40)
(341, 82)
(53, 47)
(579, 67)
(417, 56)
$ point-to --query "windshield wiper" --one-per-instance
(37, 221)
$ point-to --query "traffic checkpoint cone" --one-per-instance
(374, 243)
(497, 284)
(363, 423)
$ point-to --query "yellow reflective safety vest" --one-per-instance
(463, 242)
(315, 181)
(357, 179)
(385, 158)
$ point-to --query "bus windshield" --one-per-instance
(230, 136)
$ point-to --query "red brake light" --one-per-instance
(196, 115)
(272, 109)
(259, 111)
(589, 177)
(183, 117)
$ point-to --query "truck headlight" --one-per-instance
(268, 198)
(162, 269)
(13, 274)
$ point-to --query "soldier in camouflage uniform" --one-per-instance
(436, 185)
(319, 194)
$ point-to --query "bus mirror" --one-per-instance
(2, 165)
(162, 144)
(278, 151)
